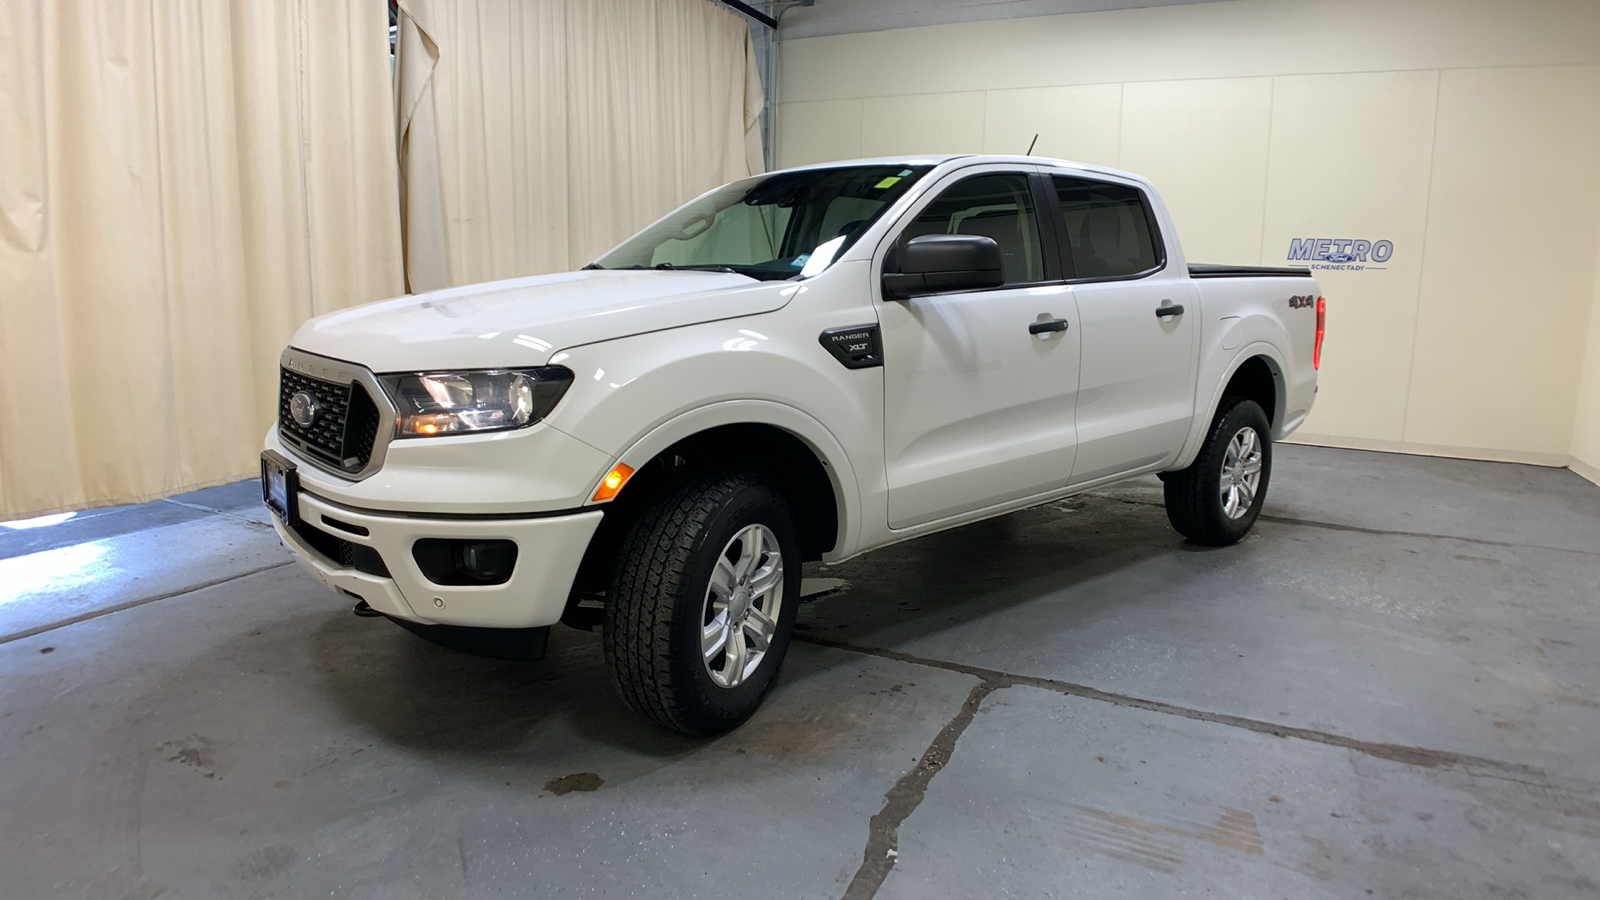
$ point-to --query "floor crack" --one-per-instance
(1423, 757)
(901, 800)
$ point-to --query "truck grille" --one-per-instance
(345, 427)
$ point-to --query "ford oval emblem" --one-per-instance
(304, 409)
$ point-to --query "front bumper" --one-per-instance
(549, 549)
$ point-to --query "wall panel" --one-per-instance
(1508, 274)
(819, 132)
(1204, 146)
(1079, 122)
(1586, 423)
(1207, 40)
(923, 123)
(1350, 159)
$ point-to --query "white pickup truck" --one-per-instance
(804, 365)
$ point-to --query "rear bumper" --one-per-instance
(549, 549)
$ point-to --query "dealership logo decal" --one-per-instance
(1341, 254)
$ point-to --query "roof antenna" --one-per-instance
(1031, 143)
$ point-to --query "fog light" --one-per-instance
(487, 560)
(458, 562)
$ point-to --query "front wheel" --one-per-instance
(703, 603)
(1217, 499)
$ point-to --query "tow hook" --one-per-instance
(364, 611)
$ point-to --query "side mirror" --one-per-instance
(934, 263)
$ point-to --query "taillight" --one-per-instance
(1322, 322)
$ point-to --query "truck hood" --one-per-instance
(524, 321)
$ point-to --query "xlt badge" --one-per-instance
(856, 347)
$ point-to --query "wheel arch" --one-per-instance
(1258, 379)
(1256, 372)
(794, 452)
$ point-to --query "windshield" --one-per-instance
(771, 226)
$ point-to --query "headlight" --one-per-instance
(436, 403)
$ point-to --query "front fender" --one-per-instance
(635, 397)
(835, 461)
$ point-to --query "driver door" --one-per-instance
(977, 410)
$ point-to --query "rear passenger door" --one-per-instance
(1136, 384)
(978, 409)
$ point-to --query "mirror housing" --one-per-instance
(936, 263)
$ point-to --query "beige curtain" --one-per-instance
(184, 182)
(564, 126)
(421, 202)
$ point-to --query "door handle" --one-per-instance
(1047, 327)
(1175, 309)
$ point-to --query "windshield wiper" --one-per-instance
(709, 267)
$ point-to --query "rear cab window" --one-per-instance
(1107, 230)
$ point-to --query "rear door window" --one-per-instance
(1107, 230)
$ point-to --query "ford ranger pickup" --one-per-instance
(803, 365)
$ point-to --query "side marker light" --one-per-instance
(613, 482)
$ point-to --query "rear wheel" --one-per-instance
(1217, 499)
(703, 603)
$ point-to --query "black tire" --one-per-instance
(1194, 495)
(654, 609)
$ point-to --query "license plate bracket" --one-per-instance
(280, 486)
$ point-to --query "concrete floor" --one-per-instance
(1390, 689)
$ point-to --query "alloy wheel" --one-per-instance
(1241, 473)
(740, 613)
